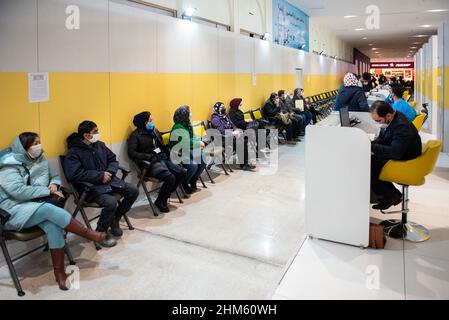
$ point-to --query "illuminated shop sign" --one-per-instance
(393, 65)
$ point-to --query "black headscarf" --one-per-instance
(141, 119)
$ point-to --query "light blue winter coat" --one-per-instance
(16, 196)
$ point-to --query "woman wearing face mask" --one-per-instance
(145, 144)
(223, 123)
(192, 160)
(28, 186)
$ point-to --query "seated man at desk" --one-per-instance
(398, 140)
(401, 105)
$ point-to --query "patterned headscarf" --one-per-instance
(224, 117)
(350, 80)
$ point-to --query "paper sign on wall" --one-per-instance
(254, 79)
(38, 87)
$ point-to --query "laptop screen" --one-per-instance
(344, 117)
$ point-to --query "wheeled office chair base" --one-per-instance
(410, 231)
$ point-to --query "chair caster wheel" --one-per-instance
(20, 293)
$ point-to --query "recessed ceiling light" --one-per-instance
(371, 44)
(350, 16)
(425, 26)
(420, 36)
(359, 29)
(437, 10)
(364, 38)
(413, 47)
(374, 49)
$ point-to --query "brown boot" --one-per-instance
(57, 256)
(77, 228)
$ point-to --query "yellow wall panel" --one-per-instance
(74, 97)
(16, 113)
(446, 88)
(205, 94)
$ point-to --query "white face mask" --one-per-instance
(191, 116)
(95, 138)
(35, 151)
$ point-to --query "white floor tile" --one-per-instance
(324, 270)
(426, 278)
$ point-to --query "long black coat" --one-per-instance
(400, 141)
(142, 145)
(238, 119)
(88, 163)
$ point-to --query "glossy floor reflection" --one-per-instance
(232, 240)
(404, 270)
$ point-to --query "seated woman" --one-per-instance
(222, 123)
(192, 161)
(29, 190)
(145, 144)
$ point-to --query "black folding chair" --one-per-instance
(22, 236)
(82, 204)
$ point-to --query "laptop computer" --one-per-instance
(346, 120)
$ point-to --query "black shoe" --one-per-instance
(187, 188)
(248, 167)
(193, 185)
(387, 203)
(162, 207)
(116, 231)
(108, 242)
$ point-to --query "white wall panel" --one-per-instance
(244, 54)
(204, 49)
(174, 45)
(132, 35)
(264, 56)
(83, 50)
(226, 52)
(18, 35)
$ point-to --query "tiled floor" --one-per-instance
(241, 239)
(404, 270)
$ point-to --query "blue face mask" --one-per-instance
(150, 126)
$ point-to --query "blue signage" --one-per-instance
(290, 26)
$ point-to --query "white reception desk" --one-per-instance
(338, 165)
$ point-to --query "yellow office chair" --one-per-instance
(413, 104)
(419, 121)
(166, 138)
(406, 174)
(248, 115)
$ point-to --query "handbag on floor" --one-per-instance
(377, 239)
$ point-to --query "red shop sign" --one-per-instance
(393, 65)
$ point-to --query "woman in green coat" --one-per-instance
(190, 146)
(28, 185)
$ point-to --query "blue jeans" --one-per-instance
(52, 220)
(194, 171)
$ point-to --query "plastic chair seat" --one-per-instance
(24, 235)
(413, 172)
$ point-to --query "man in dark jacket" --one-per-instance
(145, 144)
(89, 160)
(271, 111)
(399, 140)
(296, 118)
(352, 96)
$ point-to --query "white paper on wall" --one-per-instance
(38, 87)
(254, 79)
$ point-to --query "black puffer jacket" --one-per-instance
(88, 163)
(354, 98)
(142, 145)
(238, 119)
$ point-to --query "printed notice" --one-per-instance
(38, 88)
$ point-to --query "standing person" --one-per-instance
(90, 160)
(29, 190)
(398, 140)
(352, 96)
(145, 144)
(192, 161)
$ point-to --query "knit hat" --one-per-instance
(141, 119)
(350, 80)
(235, 103)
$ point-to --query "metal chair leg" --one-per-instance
(147, 193)
(210, 177)
(69, 255)
(88, 226)
(11, 268)
(179, 197)
(202, 181)
(128, 222)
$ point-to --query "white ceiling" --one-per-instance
(400, 20)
